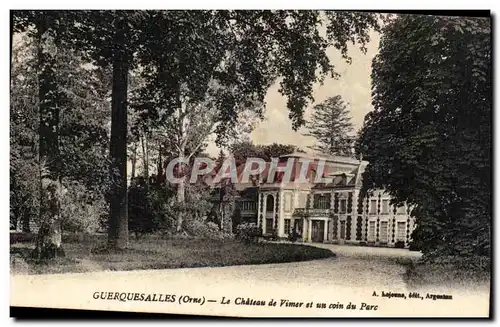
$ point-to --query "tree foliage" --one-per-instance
(428, 139)
(246, 149)
(331, 125)
(237, 55)
(203, 71)
(82, 135)
(24, 170)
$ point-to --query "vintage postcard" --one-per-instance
(251, 163)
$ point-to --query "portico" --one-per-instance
(334, 212)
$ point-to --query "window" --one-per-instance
(383, 231)
(342, 229)
(269, 225)
(248, 205)
(270, 203)
(287, 226)
(343, 206)
(385, 207)
(371, 231)
(339, 180)
(249, 219)
(373, 207)
(302, 200)
(401, 210)
(288, 202)
(322, 201)
(312, 176)
(298, 225)
(401, 231)
(278, 176)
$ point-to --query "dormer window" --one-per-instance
(312, 176)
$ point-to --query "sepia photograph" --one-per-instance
(251, 163)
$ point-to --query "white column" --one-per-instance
(355, 199)
(275, 196)
(309, 230)
(304, 230)
(264, 212)
(258, 209)
(325, 232)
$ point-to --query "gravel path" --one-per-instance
(352, 265)
(352, 275)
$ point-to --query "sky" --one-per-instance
(354, 85)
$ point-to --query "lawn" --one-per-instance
(452, 272)
(86, 254)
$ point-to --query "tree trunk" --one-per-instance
(134, 161)
(181, 199)
(118, 222)
(222, 218)
(221, 206)
(181, 187)
(49, 238)
(145, 156)
(48, 243)
(159, 168)
(25, 222)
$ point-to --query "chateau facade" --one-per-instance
(317, 211)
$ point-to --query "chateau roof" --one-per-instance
(345, 171)
(327, 157)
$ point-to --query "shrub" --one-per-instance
(140, 207)
(16, 237)
(18, 261)
(202, 229)
(399, 245)
(81, 208)
(274, 234)
(414, 246)
(248, 232)
(293, 236)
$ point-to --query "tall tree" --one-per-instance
(24, 122)
(428, 139)
(120, 61)
(111, 38)
(331, 125)
(52, 83)
(45, 27)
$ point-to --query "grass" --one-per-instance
(452, 273)
(83, 255)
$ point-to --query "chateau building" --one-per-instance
(319, 211)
